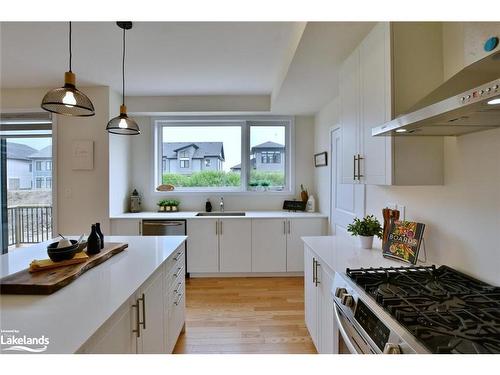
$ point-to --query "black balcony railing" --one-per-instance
(29, 224)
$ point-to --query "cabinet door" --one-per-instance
(349, 115)
(375, 100)
(235, 245)
(297, 228)
(326, 333)
(310, 296)
(269, 245)
(151, 313)
(116, 336)
(202, 245)
(126, 227)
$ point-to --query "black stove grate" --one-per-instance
(448, 311)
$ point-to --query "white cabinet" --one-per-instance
(297, 228)
(310, 295)
(151, 319)
(318, 303)
(235, 245)
(269, 245)
(203, 245)
(126, 227)
(367, 95)
(152, 337)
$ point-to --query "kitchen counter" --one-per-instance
(341, 252)
(192, 215)
(70, 316)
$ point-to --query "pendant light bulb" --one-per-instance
(122, 124)
(68, 100)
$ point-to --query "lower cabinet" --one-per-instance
(203, 245)
(318, 303)
(235, 245)
(269, 245)
(151, 320)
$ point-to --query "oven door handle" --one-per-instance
(343, 332)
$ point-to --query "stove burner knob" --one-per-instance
(392, 349)
(339, 292)
(347, 300)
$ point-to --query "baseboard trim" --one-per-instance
(247, 274)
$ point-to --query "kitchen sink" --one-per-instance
(221, 214)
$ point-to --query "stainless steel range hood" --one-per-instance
(468, 102)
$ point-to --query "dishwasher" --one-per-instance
(166, 228)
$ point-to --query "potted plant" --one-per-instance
(174, 205)
(365, 229)
(161, 205)
(265, 184)
(253, 185)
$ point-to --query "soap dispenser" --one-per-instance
(208, 206)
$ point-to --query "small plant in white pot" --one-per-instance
(365, 229)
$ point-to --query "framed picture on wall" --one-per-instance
(321, 159)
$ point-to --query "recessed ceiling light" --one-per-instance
(401, 130)
(494, 101)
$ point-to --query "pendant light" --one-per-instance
(123, 124)
(67, 100)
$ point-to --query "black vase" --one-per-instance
(93, 242)
(99, 233)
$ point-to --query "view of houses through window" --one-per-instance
(210, 156)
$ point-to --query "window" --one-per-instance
(48, 165)
(39, 182)
(223, 153)
(31, 167)
(38, 165)
(48, 182)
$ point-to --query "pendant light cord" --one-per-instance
(123, 70)
(70, 53)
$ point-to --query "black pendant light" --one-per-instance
(67, 100)
(123, 124)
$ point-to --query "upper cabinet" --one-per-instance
(372, 90)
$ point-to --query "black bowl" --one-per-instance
(63, 253)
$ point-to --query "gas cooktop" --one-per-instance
(447, 311)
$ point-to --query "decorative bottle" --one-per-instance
(208, 206)
(93, 242)
(99, 233)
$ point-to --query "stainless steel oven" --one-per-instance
(364, 327)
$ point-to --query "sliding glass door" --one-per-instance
(27, 180)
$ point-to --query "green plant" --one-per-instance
(253, 184)
(173, 202)
(162, 203)
(368, 226)
(265, 183)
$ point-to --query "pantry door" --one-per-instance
(347, 200)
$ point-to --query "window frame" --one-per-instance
(245, 122)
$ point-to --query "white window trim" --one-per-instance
(245, 122)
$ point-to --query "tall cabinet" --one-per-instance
(368, 88)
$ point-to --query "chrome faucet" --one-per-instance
(221, 204)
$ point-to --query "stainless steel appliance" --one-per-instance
(166, 228)
(418, 309)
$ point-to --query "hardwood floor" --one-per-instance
(245, 315)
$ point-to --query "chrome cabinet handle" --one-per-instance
(284, 227)
(354, 168)
(316, 281)
(176, 303)
(176, 290)
(176, 258)
(359, 167)
(288, 226)
(314, 271)
(137, 329)
(177, 272)
(140, 228)
(216, 227)
(221, 227)
(143, 299)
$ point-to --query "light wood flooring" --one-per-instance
(245, 315)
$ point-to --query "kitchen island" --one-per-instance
(80, 317)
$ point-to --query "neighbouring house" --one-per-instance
(19, 166)
(28, 168)
(268, 156)
(190, 157)
(42, 168)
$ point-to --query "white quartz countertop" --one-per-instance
(341, 252)
(70, 316)
(192, 215)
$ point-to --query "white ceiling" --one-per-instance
(191, 58)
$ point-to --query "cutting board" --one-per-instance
(49, 281)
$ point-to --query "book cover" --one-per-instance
(403, 241)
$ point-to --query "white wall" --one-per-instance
(142, 174)
(82, 196)
(462, 216)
